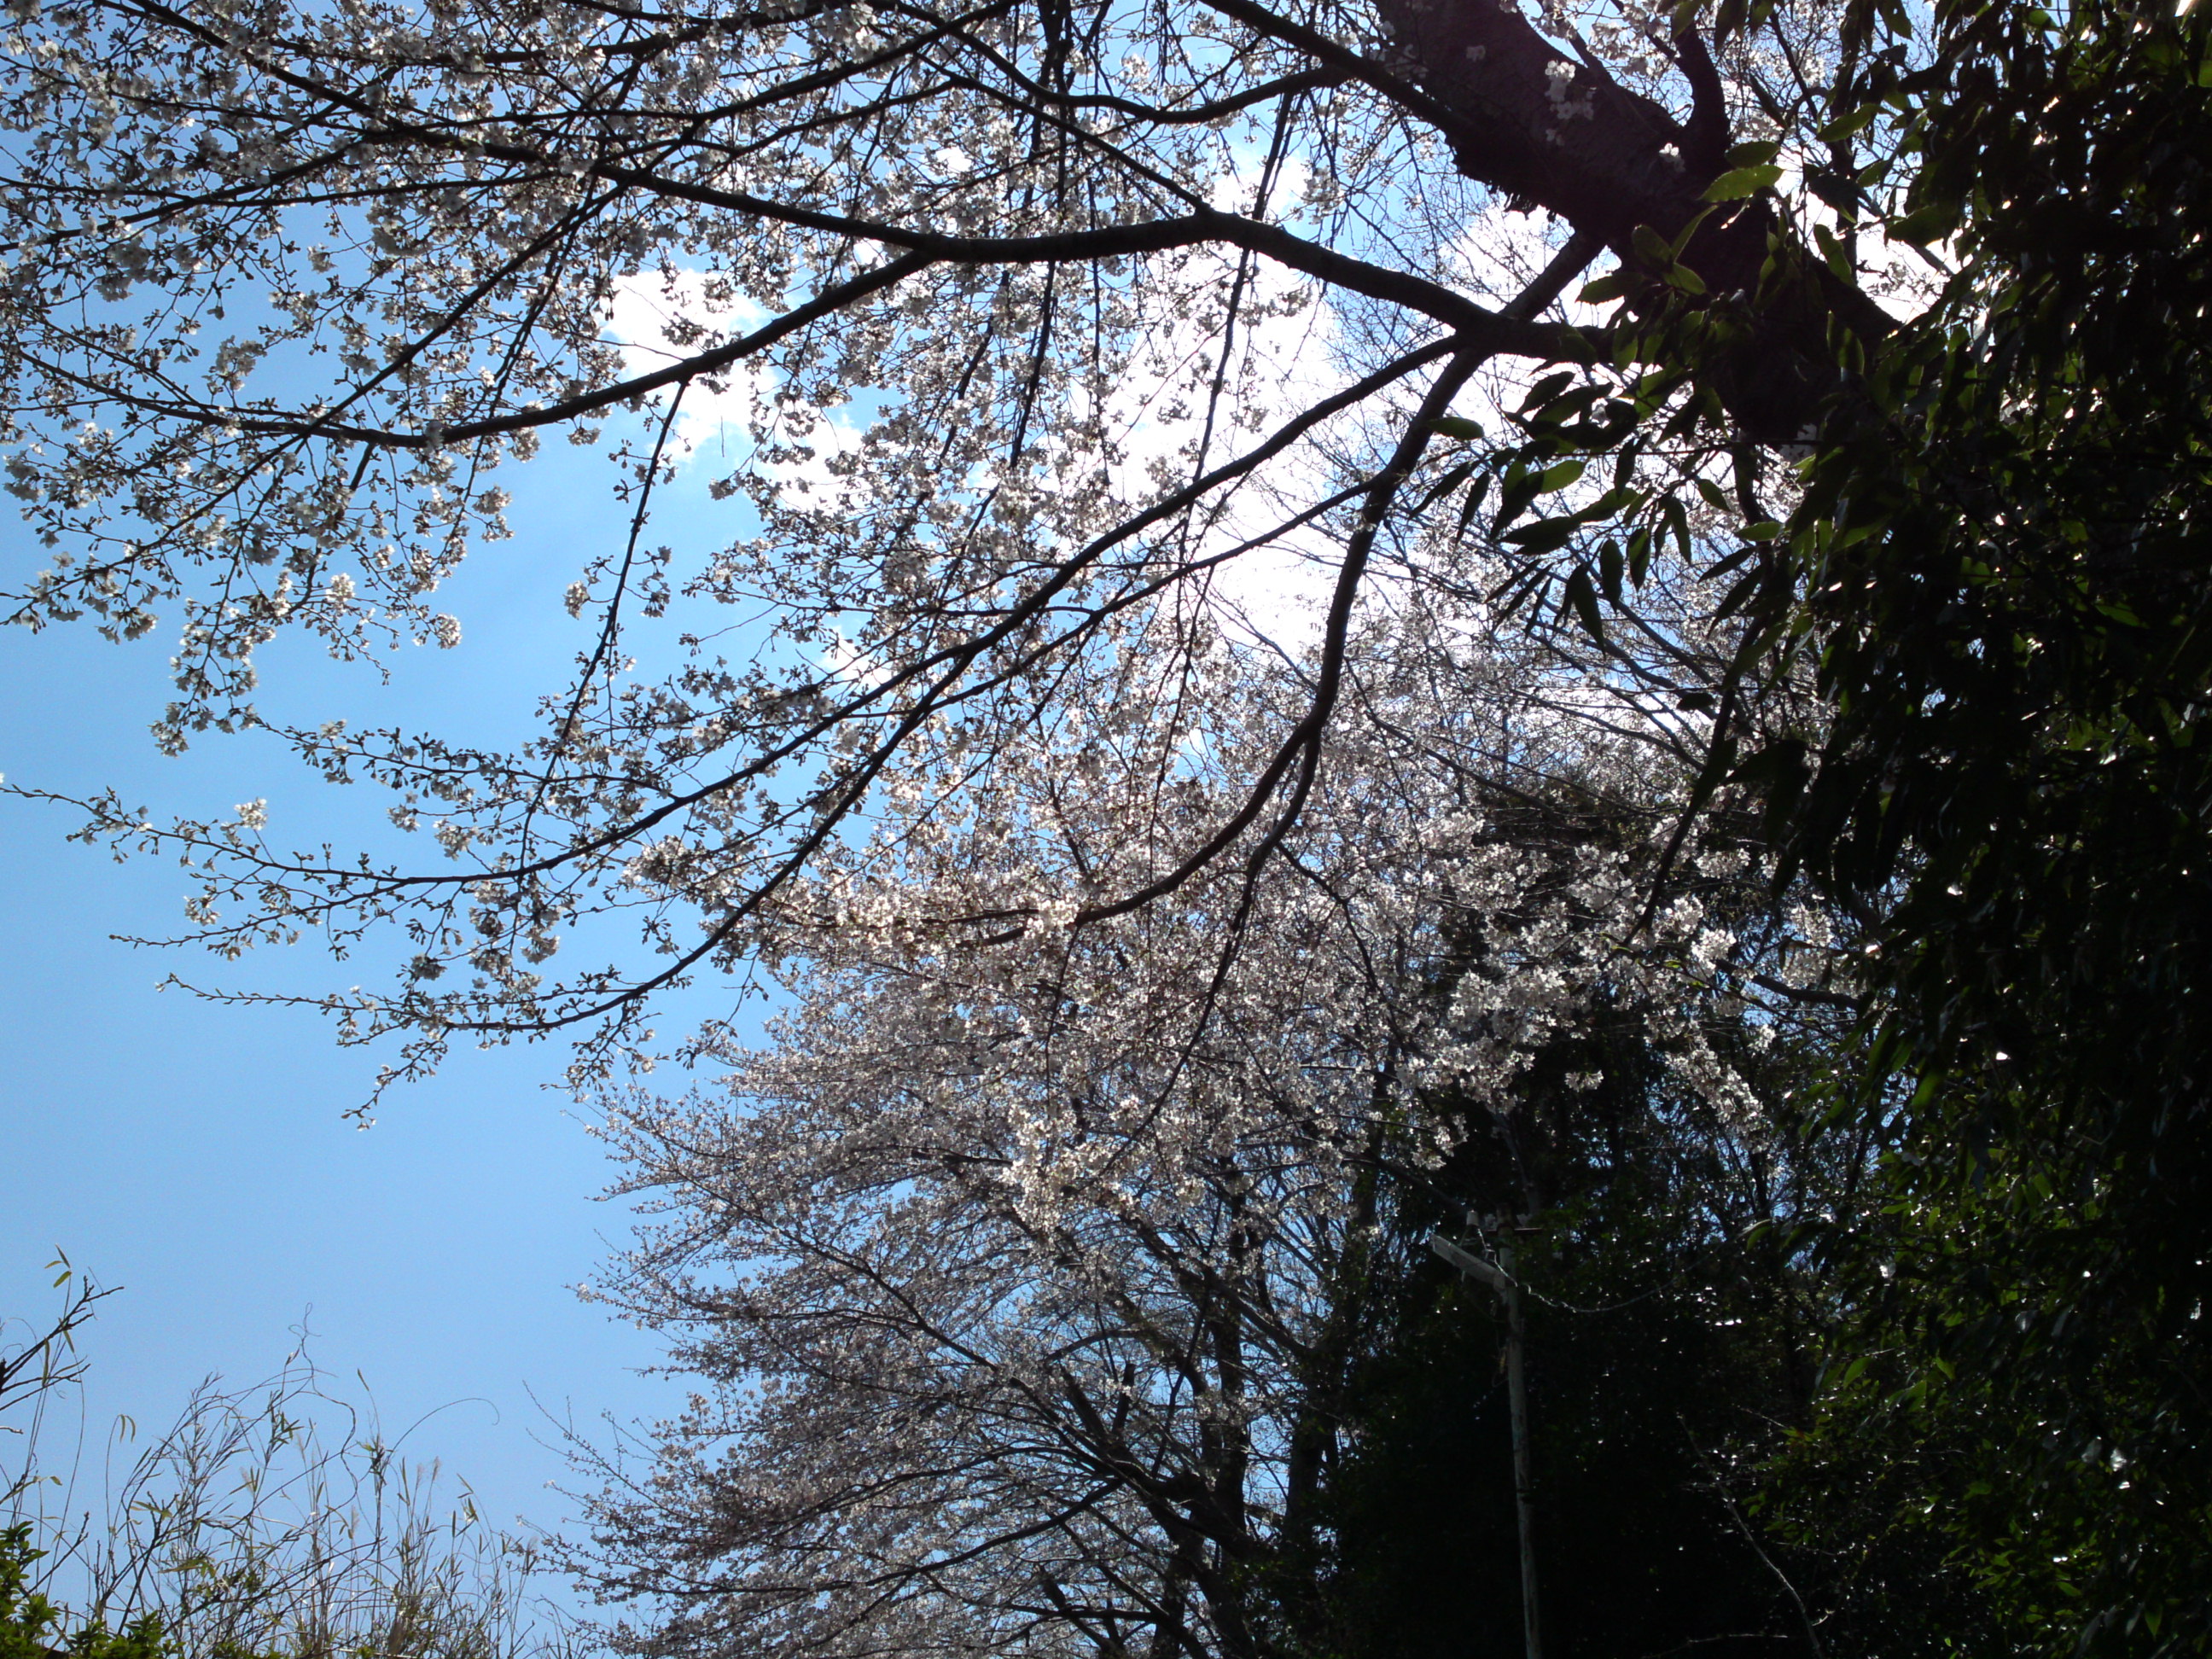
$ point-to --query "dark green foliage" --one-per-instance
(1637, 1549)
(1998, 573)
(1672, 1340)
(32, 1628)
(2008, 568)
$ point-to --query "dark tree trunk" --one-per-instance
(1561, 135)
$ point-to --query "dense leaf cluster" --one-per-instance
(32, 1628)
(1995, 564)
(2006, 557)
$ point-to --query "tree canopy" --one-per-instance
(288, 287)
(1036, 1305)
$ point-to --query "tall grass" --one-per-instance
(274, 1522)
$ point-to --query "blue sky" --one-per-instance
(200, 1156)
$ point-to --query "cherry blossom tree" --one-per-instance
(1061, 334)
(1027, 1274)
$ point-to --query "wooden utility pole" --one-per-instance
(1499, 1277)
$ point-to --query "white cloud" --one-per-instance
(662, 318)
(1283, 357)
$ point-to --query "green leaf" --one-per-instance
(1740, 182)
(1610, 567)
(1545, 535)
(1834, 250)
(1475, 492)
(1850, 123)
(1444, 486)
(1931, 223)
(1734, 561)
(1583, 598)
(1545, 389)
(1612, 285)
(1515, 491)
(1689, 229)
(1558, 475)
